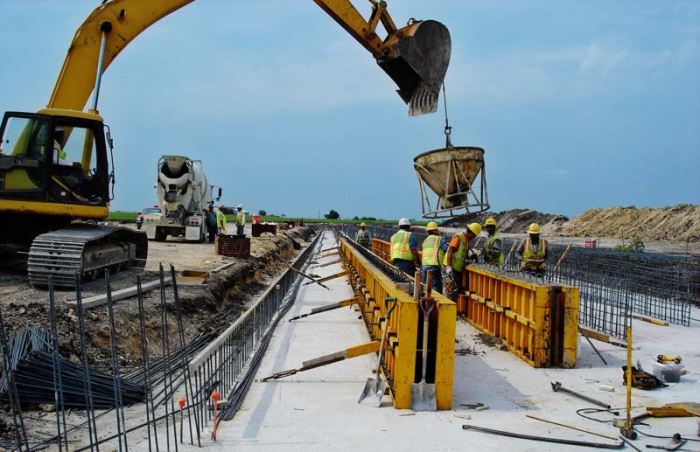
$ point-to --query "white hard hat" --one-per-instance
(404, 222)
(240, 206)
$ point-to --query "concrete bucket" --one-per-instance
(451, 173)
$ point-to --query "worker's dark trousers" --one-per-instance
(405, 266)
(435, 274)
(212, 233)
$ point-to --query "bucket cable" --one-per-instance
(448, 128)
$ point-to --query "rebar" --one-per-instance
(185, 359)
(89, 408)
(15, 407)
(145, 363)
(115, 366)
(656, 285)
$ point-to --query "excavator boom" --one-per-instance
(416, 56)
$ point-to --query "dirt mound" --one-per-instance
(512, 221)
(679, 223)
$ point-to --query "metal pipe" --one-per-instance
(105, 27)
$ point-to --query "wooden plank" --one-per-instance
(122, 294)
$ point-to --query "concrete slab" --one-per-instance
(317, 410)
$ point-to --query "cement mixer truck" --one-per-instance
(184, 195)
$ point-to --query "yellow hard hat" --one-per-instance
(362, 225)
(432, 226)
(475, 228)
(534, 229)
(491, 221)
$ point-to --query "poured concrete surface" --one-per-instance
(317, 410)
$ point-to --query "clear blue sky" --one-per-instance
(578, 104)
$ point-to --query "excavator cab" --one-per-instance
(57, 159)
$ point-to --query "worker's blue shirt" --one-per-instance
(412, 242)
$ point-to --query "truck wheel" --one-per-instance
(160, 235)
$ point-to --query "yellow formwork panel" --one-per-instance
(571, 312)
(401, 363)
(522, 315)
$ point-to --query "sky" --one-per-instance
(578, 104)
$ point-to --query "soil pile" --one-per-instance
(679, 223)
(512, 221)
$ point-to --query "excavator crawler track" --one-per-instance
(84, 249)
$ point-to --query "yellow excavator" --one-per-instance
(56, 165)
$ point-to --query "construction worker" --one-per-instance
(459, 254)
(211, 223)
(533, 251)
(221, 220)
(404, 249)
(59, 155)
(363, 236)
(433, 252)
(493, 253)
(240, 220)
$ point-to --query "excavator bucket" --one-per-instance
(420, 55)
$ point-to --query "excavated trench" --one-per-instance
(205, 309)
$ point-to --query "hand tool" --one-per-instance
(423, 394)
(668, 359)
(557, 387)
(676, 443)
(375, 387)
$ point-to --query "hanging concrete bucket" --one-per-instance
(456, 176)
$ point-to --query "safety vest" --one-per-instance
(489, 246)
(459, 257)
(529, 254)
(432, 253)
(221, 220)
(59, 153)
(363, 237)
(240, 218)
(400, 248)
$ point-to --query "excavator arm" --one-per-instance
(119, 21)
(416, 56)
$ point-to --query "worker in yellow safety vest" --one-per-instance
(404, 249)
(221, 220)
(533, 251)
(240, 220)
(363, 236)
(433, 252)
(59, 155)
(459, 255)
(493, 253)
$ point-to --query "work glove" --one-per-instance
(448, 271)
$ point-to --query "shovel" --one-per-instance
(375, 387)
(423, 394)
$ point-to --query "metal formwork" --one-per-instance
(537, 322)
(401, 363)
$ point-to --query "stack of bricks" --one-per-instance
(232, 245)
